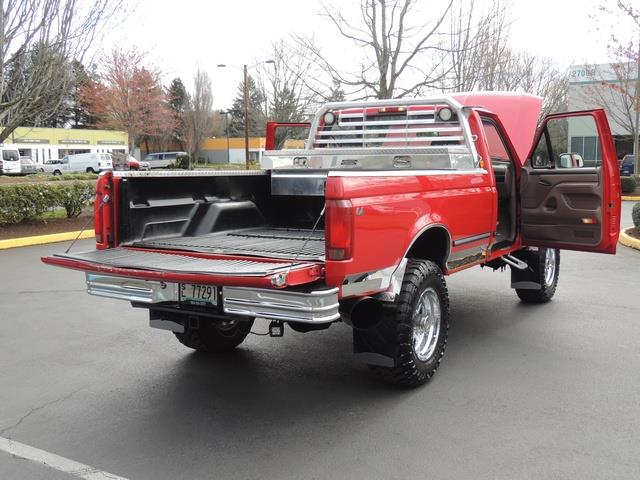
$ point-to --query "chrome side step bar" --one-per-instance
(515, 262)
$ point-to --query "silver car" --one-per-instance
(27, 166)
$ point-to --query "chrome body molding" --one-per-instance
(387, 280)
(317, 306)
(404, 173)
(131, 289)
(189, 173)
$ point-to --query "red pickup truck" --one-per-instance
(361, 226)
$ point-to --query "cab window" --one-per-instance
(10, 155)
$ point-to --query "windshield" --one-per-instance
(10, 155)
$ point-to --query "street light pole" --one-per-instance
(246, 120)
(245, 101)
(226, 121)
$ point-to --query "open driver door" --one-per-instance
(570, 185)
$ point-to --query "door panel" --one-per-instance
(569, 192)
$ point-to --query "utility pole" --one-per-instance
(226, 121)
(246, 120)
(636, 130)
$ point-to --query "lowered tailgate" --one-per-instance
(191, 267)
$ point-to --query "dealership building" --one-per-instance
(42, 144)
(590, 86)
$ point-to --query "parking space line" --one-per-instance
(55, 461)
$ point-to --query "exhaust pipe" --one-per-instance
(361, 313)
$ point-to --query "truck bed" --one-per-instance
(276, 243)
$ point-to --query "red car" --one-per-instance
(362, 226)
(135, 164)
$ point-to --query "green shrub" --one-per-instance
(628, 184)
(75, 197)
(73, 176)
(183, 162)
(635, 215)
(29, 201)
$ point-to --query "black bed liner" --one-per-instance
(278, 243)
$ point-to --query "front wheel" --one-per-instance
(545, 264)
(212, 337)
(57, 172)
(418, 325)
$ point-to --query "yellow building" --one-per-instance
(223, 150)
(42, 144)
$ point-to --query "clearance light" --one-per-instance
(329, 118)
(445, 114)
(392, 110)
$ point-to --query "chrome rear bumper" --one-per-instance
(319, 306)
(316, 306)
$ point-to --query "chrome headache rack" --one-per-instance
(428, 133)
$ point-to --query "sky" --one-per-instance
(180, 37)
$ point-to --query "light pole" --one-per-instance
(226, 121)
(245, 102)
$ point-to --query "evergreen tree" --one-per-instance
(178, 101)
(257, 120)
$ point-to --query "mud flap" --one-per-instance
(372, 346)
(528, 279)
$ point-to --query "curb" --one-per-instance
(42, 239)
(633, 198)
(628, 240)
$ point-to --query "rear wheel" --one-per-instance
(57, 172)
(215, 337)
(419, 325)
(547, 261)
(90, 170)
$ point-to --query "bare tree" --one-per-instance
(476, 42)
(401, 49)
(618, 91)
(480, 58)
(290, 92)
(198, 119)
(38, 40)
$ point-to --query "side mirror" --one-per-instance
(570, 160)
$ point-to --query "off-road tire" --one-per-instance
(210, 339)
(410, 371)
(548, 289)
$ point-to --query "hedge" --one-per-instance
(20, 202)
(628, 184)
(635, 215)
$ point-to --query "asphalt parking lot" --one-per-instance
(549, 391)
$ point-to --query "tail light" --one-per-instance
(339, 229)
(102, 211)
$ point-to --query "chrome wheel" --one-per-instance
(549, 267)
(426, 324)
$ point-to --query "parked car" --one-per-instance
(27, 166)
(90, 162)
(135, 164)
(55, 166)
(627, 164)
(9, 161)
(163, 159)
(79, 163)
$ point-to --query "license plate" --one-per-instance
(198, 294)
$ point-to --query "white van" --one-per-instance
(10, 161)
(164, 159)
(86, 162)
